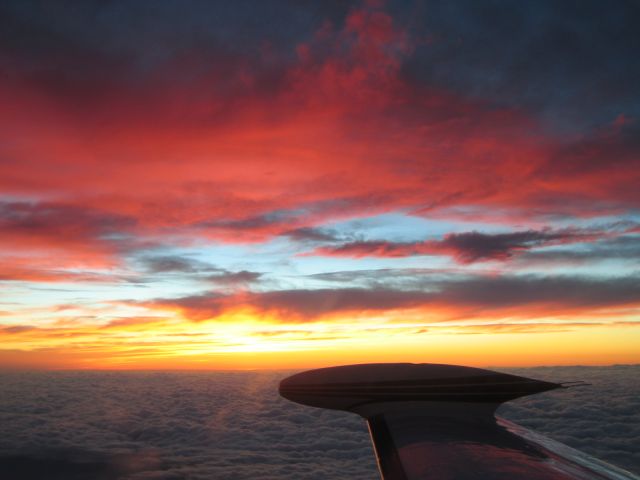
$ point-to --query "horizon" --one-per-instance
(21, 369)
(270, 369)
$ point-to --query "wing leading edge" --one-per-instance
(430, 421)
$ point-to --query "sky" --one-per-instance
(241, 185)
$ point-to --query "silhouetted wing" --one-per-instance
(437, 422)
(410, 446)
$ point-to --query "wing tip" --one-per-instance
(349, 387)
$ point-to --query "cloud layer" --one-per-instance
(557, 294)
(233, 425)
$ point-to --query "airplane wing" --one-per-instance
(437, 422)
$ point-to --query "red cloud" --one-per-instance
(217, 147)
(39, 240)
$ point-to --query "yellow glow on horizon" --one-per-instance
(240, 340)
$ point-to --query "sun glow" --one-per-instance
(242, 339)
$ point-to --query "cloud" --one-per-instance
(241, 430)
(278, 123)
(254, 227)
(465, 248)
(16, 273)
(242, 277)
(625, 247)
(51, 221)
(77, 463)
(133, 322)
(11, 329)
(181, 265)
(606, 161)
(234, 425)
(548, 66)
(480, 294)
(174, 263)
(310, 234)
(558, 292)
(69, 267)
(80, 237)
(198, 307)
(569, 415)
(475, 246)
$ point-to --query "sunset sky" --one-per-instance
(221, 185)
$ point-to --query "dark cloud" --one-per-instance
(34, 218)
(199, 307)
(298, 303)
(83, 52)
(467, 247)
(622, 248)
(235, 278)
(477, 292)
(614, 148)
(253, 228)
(608, 160)
(561, 291)
(373, 248)
(573, 63)
(166, 264)
(291, 222)
(275, 218)
(198, 270)
(312, 303)
(310, 234)
(474, 246)
(187, 425)
(175, 264)
(57, 225)
(382, 276)
(570, 62)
